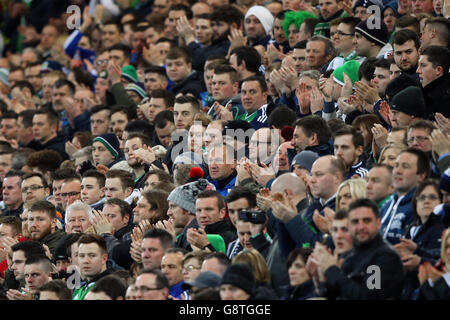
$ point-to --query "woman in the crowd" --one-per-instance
(261, 272)
(422, 239)
(192, 264)
(390, 153)
(349, 191)
(301, 285)
(435, 282)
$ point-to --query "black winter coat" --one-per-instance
(351, 281)
(437, 96)
(193, 83)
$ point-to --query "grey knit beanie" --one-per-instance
(186, 194)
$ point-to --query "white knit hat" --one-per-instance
(264, 16)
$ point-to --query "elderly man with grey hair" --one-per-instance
(78, 217)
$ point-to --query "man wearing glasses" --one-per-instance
(343, 40)
(70, 191)
(152, 284)
(34, 188)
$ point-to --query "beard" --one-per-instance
(221, 38)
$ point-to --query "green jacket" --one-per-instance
(86, 285)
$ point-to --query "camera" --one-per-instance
(257, 217)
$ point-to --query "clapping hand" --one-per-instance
(101, 223)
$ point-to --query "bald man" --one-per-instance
(295, 225)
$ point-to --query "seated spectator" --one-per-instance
(55, 290)
(107, 288)
(301, 286)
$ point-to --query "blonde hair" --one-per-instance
(357, 189)
(256, 262)
(444, 246)
(398, 146)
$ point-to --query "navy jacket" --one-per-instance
(396, 220)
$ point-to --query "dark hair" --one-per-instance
(164, 237)
(304, 253)
(382, 63)
(261, 81)
(139, 126)
(228, 14)
(161, 280)
(111, 285)
(125, 208)
(310, 24)
(9, 114)
(282, 116)
(420, 187)
(367, 121)
(29, 248)
(52, 116)
(40, 259)
(99, 177)
(315, 124)
(27, 118)
(177, 52)
(367, 68)
(189, 99)
(329, 47)
(84, 137)
(63, 82)
(442, 27)
(251, 57)
(222, 258)
(162, 175)
(169, 97)
(58, 287)
(404, 35)
(121, 47)
(45, 206)
(100, 107)
(93, 238)
(423, 162)
(161, 71)
(64, 174)
(239, 192)
(365, 203)
(162, 118)
(21, 84)
(116, 23)
(70, 240)
(341, 214)
(130, 113)
(35, 174)
(212, 194)
(126, 178)
(45, 160)
(422, 124)
(406, 21)
(182, 7)
(301, 44)
(351, 21)
(157, 199)
(14, 223)
(357, 137)
(144, 138)
(14, 173)
(227, 69)
(438, 56)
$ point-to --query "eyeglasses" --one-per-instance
(144, 289)
(70, 194)
(190, 268)
(340, 33)
(34, 187)
(419, 139)
(101, 62)
(431, 197)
